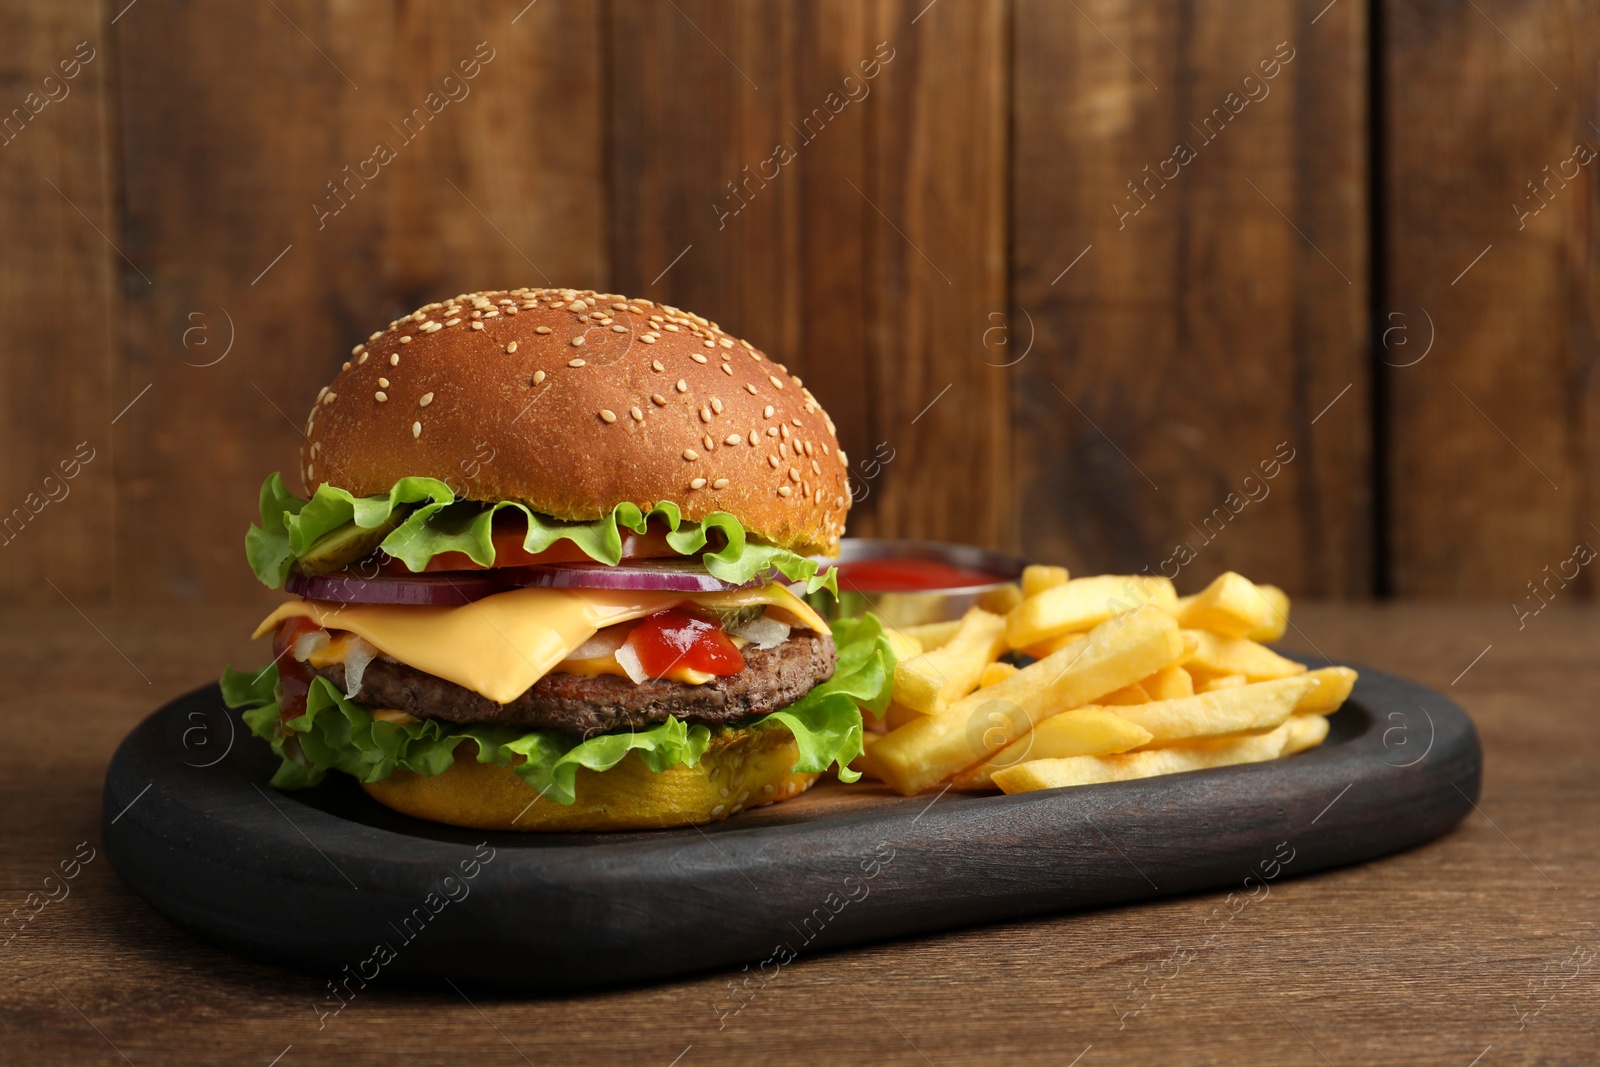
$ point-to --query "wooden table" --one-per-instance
(1482, 944)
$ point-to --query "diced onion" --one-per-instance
(360, 654)
(628, 660)
(603, 643)
(764, 632)
(307, 644)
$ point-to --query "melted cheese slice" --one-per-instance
(502, 644)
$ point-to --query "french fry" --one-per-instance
(1235, 710)
(1232, 606)
(1333, 689)
(1084, 603)
(1116, 653)
(1305, 731)
(1169, 683)
(903, 644)
(897, 715)
(1128, 694)
(1211, 683)
(1092, 770)
(1036, 578)
(1041, 649)
(996, 672)
(1217, 656)
(1001, 600)
(932, 635)
(1273, 630)
(928, 682)
(1087, 731)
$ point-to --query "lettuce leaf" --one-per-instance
(434, 521)
(335, 733)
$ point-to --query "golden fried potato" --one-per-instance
(1037, 577)
(1146, 763)
(1084, 603)
(1216, 656)
(1090, 731)
(1234, 710)
(1333, 689)
(926, 683)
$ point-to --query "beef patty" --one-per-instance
(576, 704)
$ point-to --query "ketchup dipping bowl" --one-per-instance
(912, 582)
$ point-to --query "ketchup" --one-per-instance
(675, 638)
(294, 677)
(908, 576)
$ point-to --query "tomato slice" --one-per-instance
(508, 552)
(675, 638)
(294, 677)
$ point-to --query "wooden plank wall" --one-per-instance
(941, 214)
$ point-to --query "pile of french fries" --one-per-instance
(1128, 680)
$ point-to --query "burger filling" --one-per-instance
(424, 623)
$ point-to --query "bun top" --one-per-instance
(571, 402)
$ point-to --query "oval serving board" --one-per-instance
(329, 881)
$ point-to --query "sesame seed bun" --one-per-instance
(572, 402)
(740, 769)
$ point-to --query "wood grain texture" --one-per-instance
(832, 176)
(61, 286)
(1218, 304)
(1493, 436)
(1427, 957)
(238, 133)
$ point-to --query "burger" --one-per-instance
(548, 573)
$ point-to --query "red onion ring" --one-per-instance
(675, 576)
(442, 587)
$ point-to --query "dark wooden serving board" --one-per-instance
(321, 879)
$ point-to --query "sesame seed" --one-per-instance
(416, 429)
(772, 431)
(670, 326)
(394, 359)
(512, 347)
(453, 322)
(783, 490)
(619, 329)
(783, 450)
(794, 475)
(363, 358)
(785, 431)
(732, 439)
(752, 439)
(681, 386)
(774, 461)
(709, 442)
(424, 400)
(705, 413)
(541, 329)
(709, 344)
(538, 376)
(655, 365)
(638, 416)
(690, 454)
(767, 411)
(716, 405)
(620, 307)
(720, 483)
(405, 339)
(843, 461)
(576, 363)
(806, 447)
(825, 449)
(477, 325)
(697, 483)
(380, 396)
(330, 398)
(751, 389)
(816, 468)
(321, 393)
(648, 338)
(776, 381)
(608, 415)
(697, 357)
(795, 421)
(658, 400)
(577, 342)
(578, 305)
(345, 365)
(358, 349)
(729, 371)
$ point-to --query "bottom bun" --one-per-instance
(740, 769)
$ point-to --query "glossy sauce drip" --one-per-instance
(675, 638)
